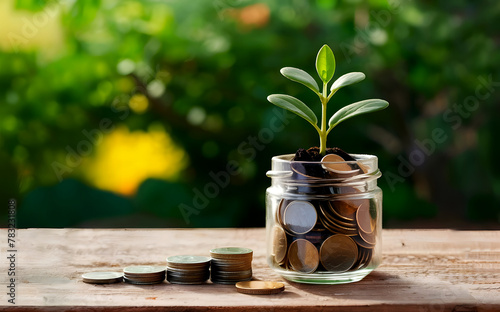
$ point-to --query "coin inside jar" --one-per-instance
(303, 256)
(338, 253)
(300, 217)
(364, 219)
(345, 209)
(336, 164)
(279, 244)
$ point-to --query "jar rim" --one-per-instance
(358, 158)
(282, 170)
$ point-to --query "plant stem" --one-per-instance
(323, 134)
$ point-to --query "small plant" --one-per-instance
(325, 66)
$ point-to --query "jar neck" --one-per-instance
(317, 177)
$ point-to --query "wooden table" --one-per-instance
(422, 270)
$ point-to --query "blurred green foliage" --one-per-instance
(206, 68)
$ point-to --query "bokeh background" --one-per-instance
(117, 113)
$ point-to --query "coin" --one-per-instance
(135, 282)
(102, 277)
(364, 219)
(330, 214)
(336, 164)
(187, 260)
(260, 287)
(303, 256)
(367, 259)
(279, 213)
(369, 238)
(143, 270)
(338, 253)
(335, 228)
(300, 217)
(344, 209)
(229, 252)
(279, 244)
(362, 243)
(359, 260)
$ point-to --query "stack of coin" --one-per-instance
(144, 274)
(102, 277)
(188, 269)
(339, 216)
(231, 265)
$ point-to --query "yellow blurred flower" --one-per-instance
(124, 159)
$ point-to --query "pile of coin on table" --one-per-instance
(188, 269)
(144, 274)
(231, 265)
(228, 265)
(336, 234)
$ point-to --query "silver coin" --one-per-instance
(188, 260)
(102, 277)
(143, 270)
(300, 217)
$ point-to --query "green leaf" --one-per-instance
(355, 109)
(347, 79)
(300, 76)
(294, 105)
(325, 63)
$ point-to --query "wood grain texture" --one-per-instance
(422, 270)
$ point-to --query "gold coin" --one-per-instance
(338, 253)
(359, 260)
(337, 165)
(364, 219)
(303, 256)
(368, 237)
(333, 216)
(361, 242)
(278, 211)
(279, 244)
(260, 287)
(300, 217)
(367, 259)
(345, 209)
(335, 228)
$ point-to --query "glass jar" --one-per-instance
(324, 219)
